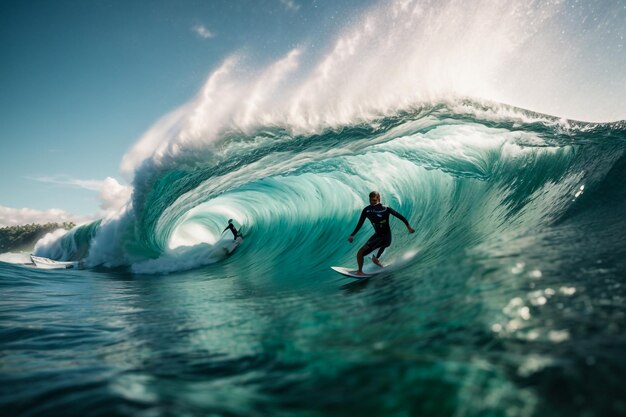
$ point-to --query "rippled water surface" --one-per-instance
(479, 335)
(508, 300)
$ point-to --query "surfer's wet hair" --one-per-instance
(375, 194)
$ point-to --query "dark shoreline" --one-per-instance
(24, 237)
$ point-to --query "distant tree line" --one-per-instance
(24, 237)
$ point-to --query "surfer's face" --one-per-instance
(374, 200)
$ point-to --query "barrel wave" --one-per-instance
(465, 174)
(290, 149)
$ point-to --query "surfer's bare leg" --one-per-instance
(359, 258)
(375, 257)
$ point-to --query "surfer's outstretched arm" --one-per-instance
(358, 226)
(402, 218)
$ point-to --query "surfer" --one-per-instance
(381, 239)
(231, 227)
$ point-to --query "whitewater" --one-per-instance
(508, 300)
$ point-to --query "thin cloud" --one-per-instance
(93, 185)
(202, 32)
(290, 5)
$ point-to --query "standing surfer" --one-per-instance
(381, 239)
(230, 227)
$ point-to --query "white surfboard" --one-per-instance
(348, 272)
(47, 263)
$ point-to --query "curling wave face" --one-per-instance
(465, 174)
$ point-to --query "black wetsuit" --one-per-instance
(379, 216)
(232, 229)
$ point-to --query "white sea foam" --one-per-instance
(15, 257)
(397, 55)
(47, 246)
(186, 257)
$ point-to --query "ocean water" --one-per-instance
(508, 300)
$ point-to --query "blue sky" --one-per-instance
(80, 81)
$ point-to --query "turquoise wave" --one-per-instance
(464, 174)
